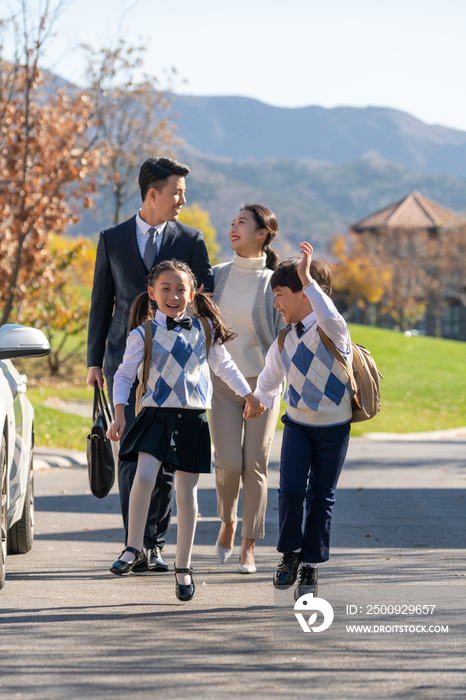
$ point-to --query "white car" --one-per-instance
(17, 442)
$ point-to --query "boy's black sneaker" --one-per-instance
(307, 582)
(287, 570)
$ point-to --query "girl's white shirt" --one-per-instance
(326, 315)
(219, 361)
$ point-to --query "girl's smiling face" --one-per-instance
(246, 238)
(172, 292)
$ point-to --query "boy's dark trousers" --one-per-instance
(160, 509)
(311, 462)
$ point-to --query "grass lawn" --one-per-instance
(424, 388)
(55, 428)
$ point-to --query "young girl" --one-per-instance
(172, 426)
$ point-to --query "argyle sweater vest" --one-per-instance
(179, 376)
(316, 382)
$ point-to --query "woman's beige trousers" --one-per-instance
(241, 452)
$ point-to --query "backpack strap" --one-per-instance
(342, 361)
(281, 337)
(147, 349)
(208, 334)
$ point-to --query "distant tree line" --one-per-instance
(402, 273)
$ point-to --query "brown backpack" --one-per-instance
(363, 376)
(142, 386)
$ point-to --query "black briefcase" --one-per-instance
(100, 461)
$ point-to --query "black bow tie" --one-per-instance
(300, 329)
(172, 323)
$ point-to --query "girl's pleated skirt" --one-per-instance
(177, 436)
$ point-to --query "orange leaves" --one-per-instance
(46, 150)
(50, 302)
(199, 218)
(358, 274)
(402, 271)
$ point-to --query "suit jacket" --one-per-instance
(120, 276)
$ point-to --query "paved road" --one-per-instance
(71, 630)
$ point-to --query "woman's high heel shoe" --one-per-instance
(246, 568)
(121, 567)
(222, 553)
(184, 591)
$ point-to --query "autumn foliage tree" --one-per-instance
(406, 254)
(81, 269)
(52, 303)
(131, 114)
(357, 275)
(48, 152)
(194, 216)
(403, 272)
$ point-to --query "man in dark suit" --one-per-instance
(125, 255)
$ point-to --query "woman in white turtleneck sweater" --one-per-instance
(242, 291)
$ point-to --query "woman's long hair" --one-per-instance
(265, 218)
(142, 307)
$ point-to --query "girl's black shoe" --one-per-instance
(183, 591)
(121, 567)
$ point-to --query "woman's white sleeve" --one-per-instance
(270, 379)
(126, 372)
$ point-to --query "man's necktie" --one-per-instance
(150, 251)
(299, 329)
(184, 323)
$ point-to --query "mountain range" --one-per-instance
(243, 128)
(319, 169)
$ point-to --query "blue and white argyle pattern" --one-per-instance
(179, 376)
(315, 379)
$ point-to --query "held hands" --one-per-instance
(253, 408)
(304, 267)
(116, 429)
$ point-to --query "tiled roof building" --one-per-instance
(413, 212)
(401, 226)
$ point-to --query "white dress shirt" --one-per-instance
(142, 232)
(219, 361)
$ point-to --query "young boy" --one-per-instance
(318, 416)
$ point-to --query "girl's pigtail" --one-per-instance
(140, 312)
(206, 307)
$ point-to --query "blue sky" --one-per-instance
(403, 54)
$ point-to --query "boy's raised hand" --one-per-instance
(304, 267)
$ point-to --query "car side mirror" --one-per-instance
(22, 341)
